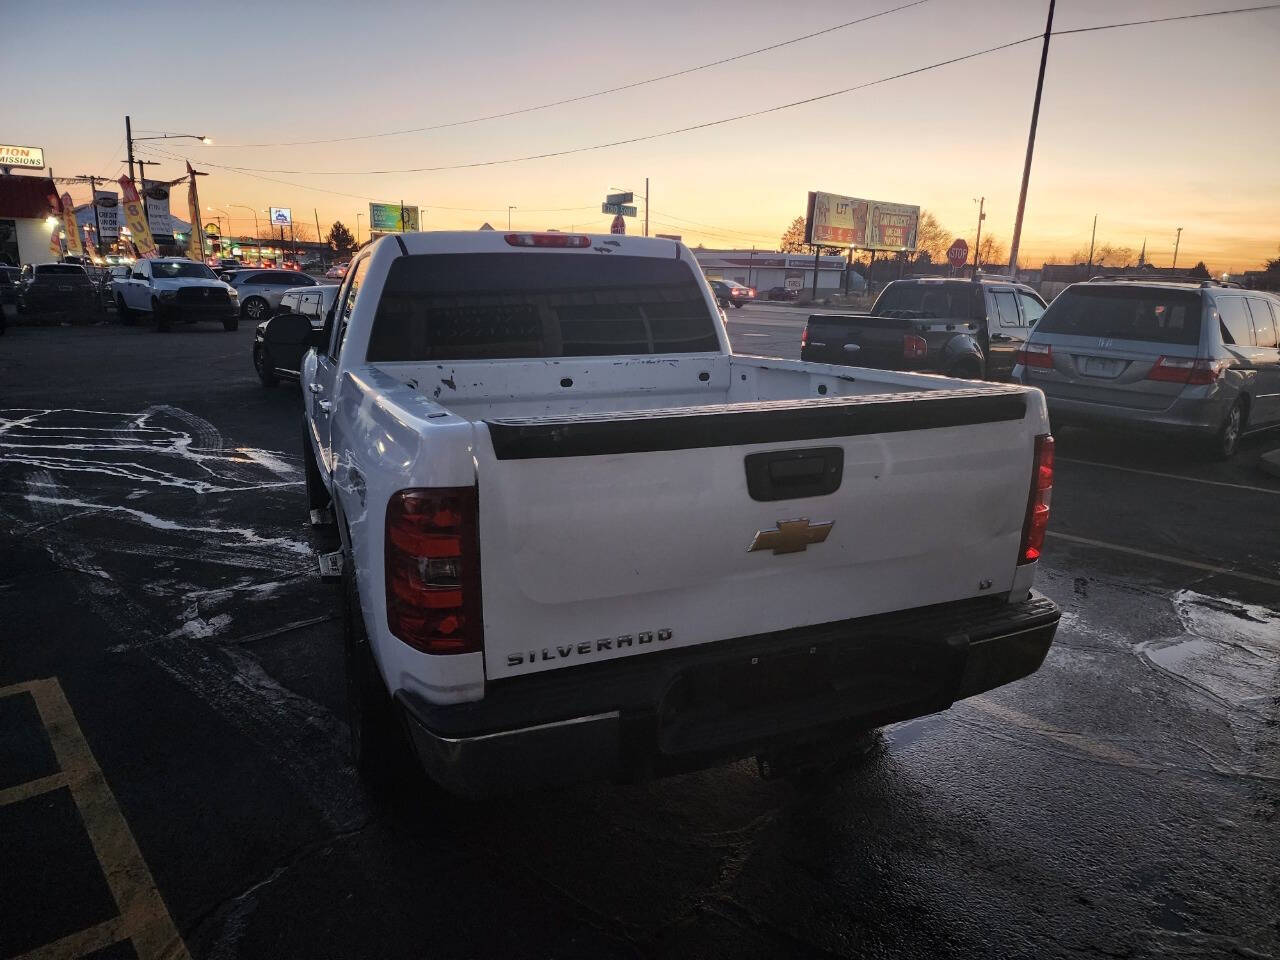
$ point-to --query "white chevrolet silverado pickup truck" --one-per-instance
(581, 538)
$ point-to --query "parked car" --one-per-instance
(729, 292)
(336, 272)
(782, 293)
(9, 277)
(1198, 359)
(280, 342)
(174, 288)
(261, 290)
(49, 290)
(962, 328)
(227, 264)
(573, 541)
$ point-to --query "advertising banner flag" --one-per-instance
(55, 243)
(195, 238)
(135, 220)
(108, 204)
(71, 226)
(158, 219)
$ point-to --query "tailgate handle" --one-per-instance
(792, 474)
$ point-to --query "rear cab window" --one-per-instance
(518, 305)
(932, 301)
(1125, 313)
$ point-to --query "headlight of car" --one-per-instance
(168, 294)
(233, 293)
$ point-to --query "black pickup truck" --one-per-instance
(962, 328)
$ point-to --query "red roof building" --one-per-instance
(25, 205)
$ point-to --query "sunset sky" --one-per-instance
(1150, 127)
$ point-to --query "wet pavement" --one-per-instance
(173, 772)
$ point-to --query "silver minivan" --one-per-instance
(1198, 359)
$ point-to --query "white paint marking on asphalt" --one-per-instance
(754, 334)
(1165, 558)
(1170, 476)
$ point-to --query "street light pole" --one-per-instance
(128, 135)
(253, 210)
(1176, 244)
(1093, 237)
(509, 209)
(977, 241)
(1031, 145)
(357, 231)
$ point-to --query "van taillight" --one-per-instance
(914, 348)
(1037, 519)
(433, 570)
(548, 240)
(1184, 370)
(1035, 355)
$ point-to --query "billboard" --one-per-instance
(107, 204)
(385, 218)
(30, 158)
(834, 220)
(281, 216)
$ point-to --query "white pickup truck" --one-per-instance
(169, 288)
(580, 538)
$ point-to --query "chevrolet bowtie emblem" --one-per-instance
(792, 536)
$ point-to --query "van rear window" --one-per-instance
(510, 305)
(1125, 313)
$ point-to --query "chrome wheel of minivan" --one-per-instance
(1228, 438)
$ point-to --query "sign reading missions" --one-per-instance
(837, 221)
(30, 158)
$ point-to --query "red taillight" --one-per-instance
(804, 336)
(914, 348)
(548, 240)
(433, 570)
(1037, 519)
(1183, 370)
(1035, 355)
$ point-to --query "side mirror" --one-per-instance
(288, 330)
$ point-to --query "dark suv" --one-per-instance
(963, 328)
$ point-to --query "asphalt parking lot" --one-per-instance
(173, 771)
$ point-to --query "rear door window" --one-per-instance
(1264, 327)
(1237, 328)
(349, 305)
(1007, 304)
(1032, 309)
(519, 304)
(1125, 313)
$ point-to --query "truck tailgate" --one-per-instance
(618, 535)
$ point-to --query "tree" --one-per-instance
(991, 253)
(932, 239)
(793, 241)
(1199, 271)
(340, 240)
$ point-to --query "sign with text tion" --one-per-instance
(30, 158)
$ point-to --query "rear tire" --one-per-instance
(231, 323)
(966, 370)
(1226, 441)
(255, 309)
(162, 319)
(378, 745)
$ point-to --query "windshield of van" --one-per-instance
(1125, 313)
(507, 305)
(931, 301)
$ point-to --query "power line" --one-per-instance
(751, 114)
(587, 96)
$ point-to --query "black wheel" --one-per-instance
(737, 305)
(266, 371)
(966, 370)
(378, 746)
(1227, 440)
(231, 323)
(255, 309)
(162, 318)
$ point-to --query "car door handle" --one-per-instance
(315, 387)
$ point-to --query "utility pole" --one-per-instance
(358, 230)
(1031, 145)
(1092, 238)
(324, 249)
(93, 199)
(141, 184)
(1176, 244)
(977, 241)
(128, 136)
(646, 206)
(509, 209)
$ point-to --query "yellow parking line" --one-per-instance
(33, 788)
(143, 918)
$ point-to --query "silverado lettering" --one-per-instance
(584, 647)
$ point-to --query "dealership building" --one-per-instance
(26, 206)
(765, 269)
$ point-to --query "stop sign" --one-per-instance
(958, 253)
(619, 225)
